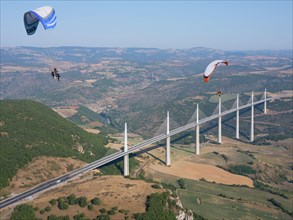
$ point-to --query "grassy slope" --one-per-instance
(240, 202)
(87, 114)
(29, 129)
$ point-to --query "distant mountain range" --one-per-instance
(92, 55)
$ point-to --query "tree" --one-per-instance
(241, 169)
(90, 207)
(156, 208)
(23, 212)
(181, 183)
(111, 212)
(53, 202)
(52, 217)
(80, 216)
(102, 210)
(96, 201)
(62, 205)
(82, 201)
(48, 209)
(72, 199)
(103, 217)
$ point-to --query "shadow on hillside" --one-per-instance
(150, 154)
(182, 149)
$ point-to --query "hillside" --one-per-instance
(29, 129)
(114, 191)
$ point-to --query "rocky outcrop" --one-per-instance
(183, 214)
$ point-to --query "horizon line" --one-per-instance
(157, 48)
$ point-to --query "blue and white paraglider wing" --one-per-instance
(45, 15)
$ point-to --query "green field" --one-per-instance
(240, 202)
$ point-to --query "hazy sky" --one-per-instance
(228, 25)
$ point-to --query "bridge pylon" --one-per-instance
(168, 150)
(197, 147)
(220, 122)
(252, 119)
(265, 103)
(237, 117)
(126, 157)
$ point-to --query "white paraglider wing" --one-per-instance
(45, 15)
(211, 68)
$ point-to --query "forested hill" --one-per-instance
(29, 129)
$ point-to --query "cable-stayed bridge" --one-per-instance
(138, 147)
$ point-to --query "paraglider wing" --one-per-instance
(30, 23)
(46, 15)
(211, 68)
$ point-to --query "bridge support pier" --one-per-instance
(237, 117)
(252, 119)
(197, 131)
(220, 123)
(265, 103)
(126, 157)
(168, 151)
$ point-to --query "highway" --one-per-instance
(112, 157)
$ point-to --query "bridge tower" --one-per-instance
(126, 157)
(265, 104)
(168, 153)
(220, 122)
(252, 119)
(237, 117)
(197, 130)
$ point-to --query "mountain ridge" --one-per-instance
(30, 129)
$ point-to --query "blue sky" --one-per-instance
(228, 25)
